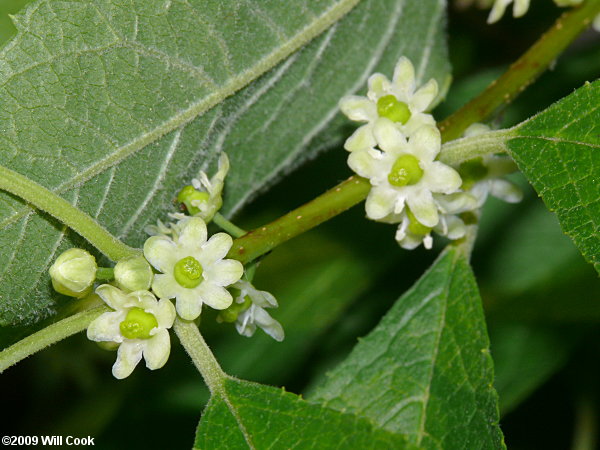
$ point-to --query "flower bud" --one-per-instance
(133, 274)
(73, 273)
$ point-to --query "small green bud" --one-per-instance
(138, 324)
(405, 171)
(231, 314)
(414, 226)
(73, 273)
(471, 172)
(133, 274)
(188, 272)
(189, 193)
(391, 108)
(469, 218)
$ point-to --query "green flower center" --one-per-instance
(188, 272)
(414, 226)
(391, 108)
(188, 194)
(405, 171)
(471, 172)
(138, 324)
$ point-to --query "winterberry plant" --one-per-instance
(153, 198)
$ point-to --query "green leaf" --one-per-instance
(559, 152)
(114, 106)
(425, 370)
(250, 415)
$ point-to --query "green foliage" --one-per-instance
(558, 151)
(425, 371)
(86, 106)
(249, 415)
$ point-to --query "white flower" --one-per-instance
(193, 270)
(203, 197)
(139, 324)
(411, 233)
(398, 101)
(255, 315)
(404, 173)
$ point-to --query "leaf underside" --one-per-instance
(115, 105)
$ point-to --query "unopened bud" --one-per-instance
(73, 273)
(134, 274)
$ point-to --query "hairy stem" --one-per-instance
(48, 336)
(261, 240)
(73, 217)
(522, 72)
(459, 150)
(228, 226)
(202, 357)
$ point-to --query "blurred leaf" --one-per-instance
(526, 356)
(249, 415)
(115, 105)
(559, 152)
(425, 371)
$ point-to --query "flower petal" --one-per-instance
(379, 85)
(245, 323)
(424, 96)
(380, 202)
(112, 296)
(142, 299)
(423, 207)
(456, 203)
(505, 190)
(161, 252)
(358, 108)
(389, 138)
(364, 164)
(215, 248)
(455, 227)
(410, 241)
(193, 234)
(216, 297)
(361, 139)
(165, 286)
(157, 349)
(425, 143)
(165, 313)
(269, 325)
(440, 178)
(189, 303)
(404, 78)
(416, 121)
(105, 328)
(128, 356)
(224, 272)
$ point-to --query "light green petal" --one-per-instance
(358, 108)
(409, 241)
(105, 328)
(440, 178)
(189, 302)
(379, 85)
(193, 234)
(455, 227)
(361, 139)
(165, 313)
(128, 356)
(224, 272)
(520, 8)
(112, 296)
(456, 203)
(404, 77)
(424, 96)
(165, 286)
(389, 138)
(423, 207)
(161, 252)
(142, 299)
(268, 324)
(380, 203)
(416, 121)
(498, 10)
(214, 296)
(425, 143)
(215, 248)
(363, 163)
(157, 349)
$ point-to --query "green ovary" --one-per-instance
(414, 226)
(138, 324)
(188, 194)
(391, 108)
(405, 171)
(188, 272)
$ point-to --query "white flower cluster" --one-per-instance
(519, 9)
(397, 150)
(189, 269)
